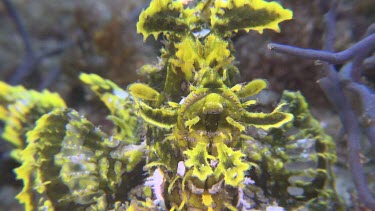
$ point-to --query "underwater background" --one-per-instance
(55, 41)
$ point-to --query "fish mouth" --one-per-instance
(213, 108)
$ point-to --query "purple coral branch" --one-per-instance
(330, 26)
(369, 63)
(333, 89)
(358, 60)
(333, 58)
(19, 26)
(368, 102)
(31, 59)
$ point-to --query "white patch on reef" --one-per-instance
(121, 93)
(186, 1)
(156, 182)
(77, 159)
(275, 208)
(241, 201)
(182, 100)
(213, 163)
(201, 33)
(181, 168)
(216, 188)
(248, 181)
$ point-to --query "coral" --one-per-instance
(345, 88)
(214, 149)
